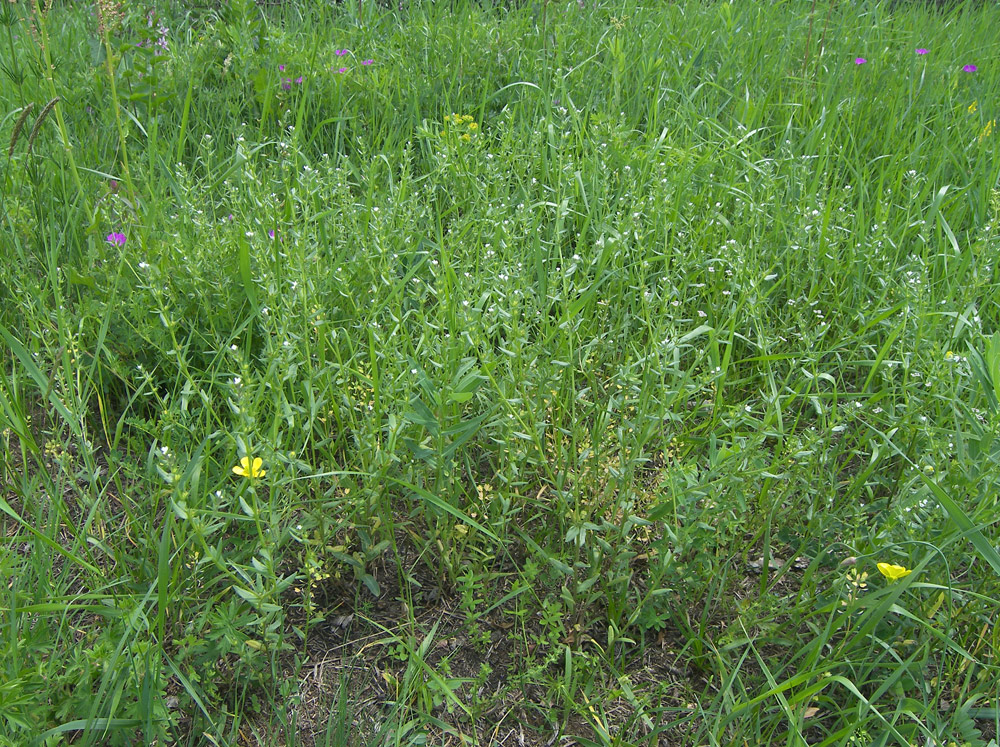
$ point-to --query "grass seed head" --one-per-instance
(18, 127)
(38, 122)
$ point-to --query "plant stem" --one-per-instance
(49, 67)
(118, 118)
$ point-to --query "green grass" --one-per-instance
(600, 353)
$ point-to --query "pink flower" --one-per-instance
(340, 52)
(299, 80)
(286, 83)
(271, 233)
(860, 60)
(118, 239)
(281, 68)
(921, 50)
(341, 70)
(970, 68)
(367, 62)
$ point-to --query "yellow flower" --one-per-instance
(893, 572)
(473, 126)
(987, 130)
(250, 468)
(973, 106)
(466, 137)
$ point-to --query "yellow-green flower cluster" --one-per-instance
(987, 130)
(464, 126)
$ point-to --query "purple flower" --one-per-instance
(367, 62)
(281, 68)
(299, 80)
(860, 60)
(970, 68)
(271, 233)
(921, 50)
(118, 239)
(341, 70)
(286, 83)
(340, 52)
(113, 185)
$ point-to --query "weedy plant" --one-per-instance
(622, 375)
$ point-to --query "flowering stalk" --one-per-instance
(106, 38)
(43, 43)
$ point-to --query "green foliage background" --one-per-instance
(631, 335)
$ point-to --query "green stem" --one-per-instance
(116, 105)
(49, 67)
(16, 69)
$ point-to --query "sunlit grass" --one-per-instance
(625, 374)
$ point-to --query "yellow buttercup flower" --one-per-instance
(250, 467)
(893, 572)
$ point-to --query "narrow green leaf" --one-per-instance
(444, 506)
(40, 379)
(983, 546)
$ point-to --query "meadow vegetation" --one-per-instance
(599, 373)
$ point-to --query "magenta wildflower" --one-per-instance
(367, 62)
(970, 68)
(281, 68)
(342, 70)
(299, 80)
(921, 50)
(860, 60)
(271, 233)
(286, 83)
(340, 52)
(118, 239)
(113, 185)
